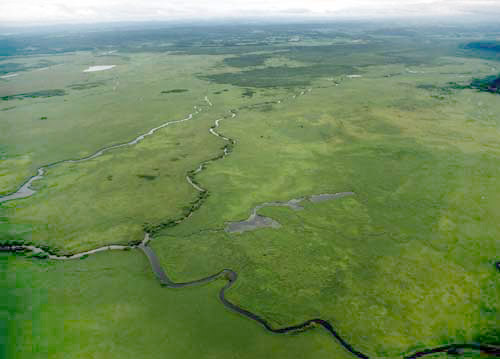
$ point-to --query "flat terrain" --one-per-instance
(403, 246)
(61, 310)
(94, 110)
(405, 263)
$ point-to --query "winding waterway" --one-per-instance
(227, 274)
(26, 191)
(231, 277)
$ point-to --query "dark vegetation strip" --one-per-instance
(488, 50)
(247, 60)
(86, 85)
(489, 84)
(280, 76)
(8, 67)
(485, 84)
(175, 91)
(493, 46)
(35, 94)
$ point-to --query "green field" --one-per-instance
(99, 108)
(60, 310)
(390, 265)
(406, 119)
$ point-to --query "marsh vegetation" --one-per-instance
(393, 115)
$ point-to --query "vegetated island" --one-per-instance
(174, 91)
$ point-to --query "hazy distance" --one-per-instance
(27, 12)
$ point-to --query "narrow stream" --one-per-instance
(231, 277)
(26, 191)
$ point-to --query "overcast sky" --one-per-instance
(64, 11)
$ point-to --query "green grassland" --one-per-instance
(108, 200)
(111, 199)
(60, 310)
(405, 264)
(300, 139)
(99, 109)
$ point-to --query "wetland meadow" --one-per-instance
(341, 175)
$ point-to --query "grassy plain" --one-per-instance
(99, 109)
(111, 306)
(108, 200)
(405, 264)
